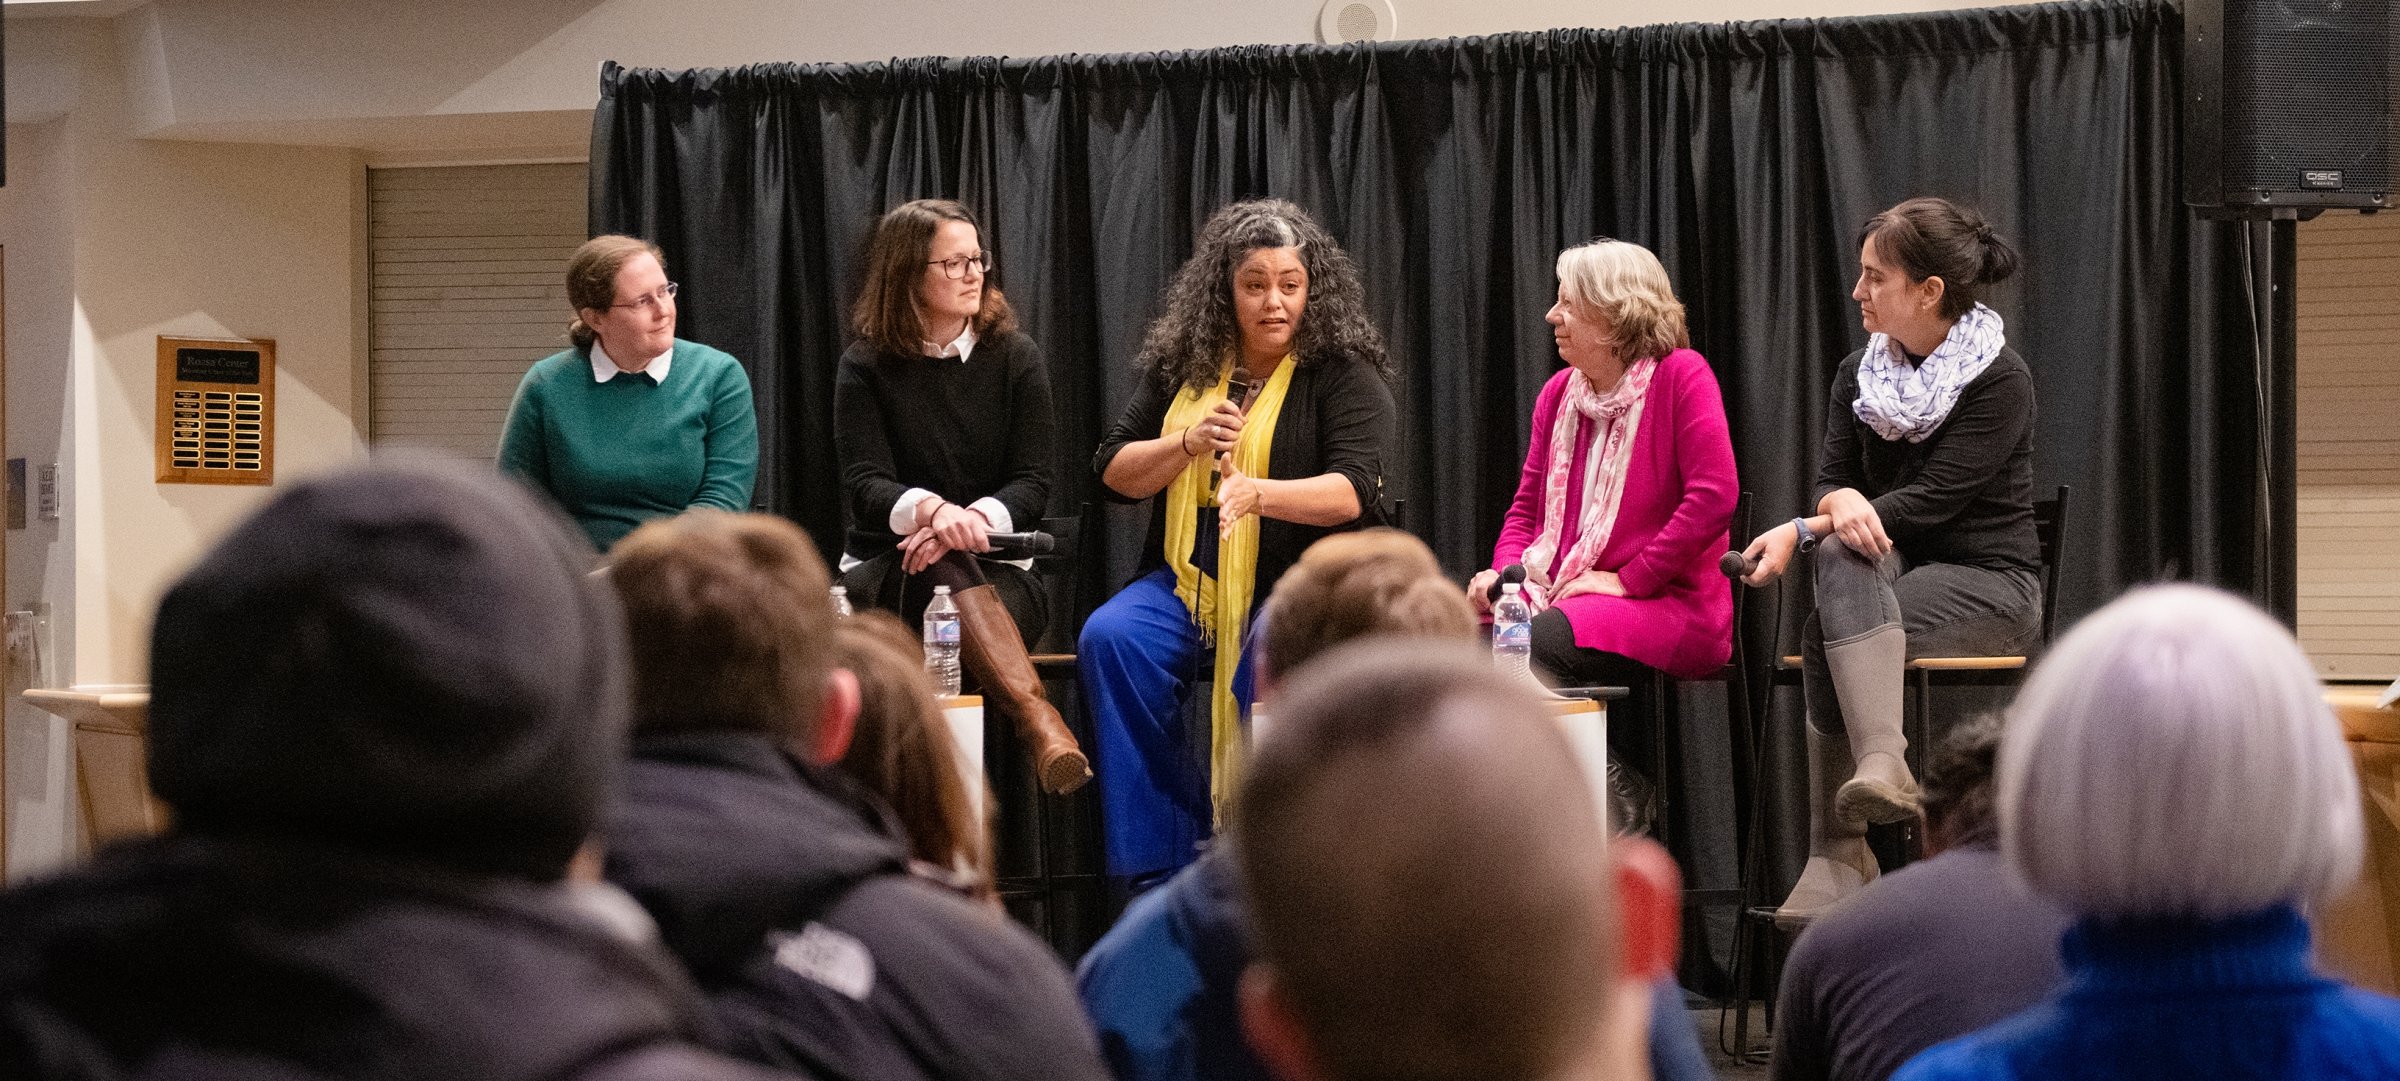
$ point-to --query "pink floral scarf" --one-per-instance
(1619, 414)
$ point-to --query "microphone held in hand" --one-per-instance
(1735, 564)
(1239, 390)
(1020, 545)
(1514, 572)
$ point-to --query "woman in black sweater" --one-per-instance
(1922, 543)
(1259, 424)
(942, 424)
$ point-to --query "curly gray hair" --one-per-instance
(1188, 343)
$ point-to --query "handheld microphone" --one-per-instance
(1736, 565)
(1020, 545)
(1238, 390)
(1514, 572)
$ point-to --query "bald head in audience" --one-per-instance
(1432, 894)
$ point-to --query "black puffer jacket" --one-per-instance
(780, 888)
(205, 959)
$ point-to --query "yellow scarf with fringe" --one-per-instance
(1220, 604)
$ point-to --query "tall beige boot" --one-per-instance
(995, 652)
(1839, 862)
(1870, 679)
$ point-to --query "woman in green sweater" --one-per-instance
(631, 423)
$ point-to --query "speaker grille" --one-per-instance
(2308, 88)
(1357, 22)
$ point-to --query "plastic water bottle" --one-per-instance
(1512, 633)
(941, 641)
(841, 601)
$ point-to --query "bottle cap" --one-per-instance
(1508, 589)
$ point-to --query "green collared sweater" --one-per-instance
(619, 453)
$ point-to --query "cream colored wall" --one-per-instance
(39, 246)
(193, 240)
(113, 241)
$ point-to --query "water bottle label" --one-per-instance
(1513, 634)
(941, 633)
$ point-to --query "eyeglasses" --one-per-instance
(651, 302)
(955, 269)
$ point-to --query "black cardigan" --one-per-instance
(1965, 494)
(960, 430)
(1336, 418)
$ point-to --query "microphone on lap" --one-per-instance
(1514, 572)
(1020, 545)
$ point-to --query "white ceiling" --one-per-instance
(41, 9)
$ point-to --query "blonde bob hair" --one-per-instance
(2174, 757)
(1625, 284)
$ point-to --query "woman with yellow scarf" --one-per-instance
(1259, 424)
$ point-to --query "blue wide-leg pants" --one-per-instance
(1141, 664)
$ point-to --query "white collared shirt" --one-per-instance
(960, 347)
(604, 369)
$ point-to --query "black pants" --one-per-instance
(878, 583)
(1565, 664)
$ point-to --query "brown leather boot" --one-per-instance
(995, 652)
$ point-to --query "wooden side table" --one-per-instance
(2358, 934)
(112, 771)
(964, 714)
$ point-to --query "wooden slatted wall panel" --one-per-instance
(469, 290)
(2350, 444)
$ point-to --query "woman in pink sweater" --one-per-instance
(1628, 489)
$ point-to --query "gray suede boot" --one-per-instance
(1839, 862)
(1869, 678)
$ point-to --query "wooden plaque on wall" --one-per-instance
(216, 410)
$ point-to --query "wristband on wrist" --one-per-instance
(1808, 540)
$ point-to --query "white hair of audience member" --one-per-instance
(2173, 756)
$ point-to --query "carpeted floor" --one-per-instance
(1714, 1040)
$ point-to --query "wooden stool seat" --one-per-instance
(1966, 664)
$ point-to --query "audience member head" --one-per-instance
(2173, 756)
(1958, 787)
(1947, 250)
(1623, 287)
(1432, 894)
(908, 288)
(1377, 581)
(405, 659)
(903, 751)
(731, 621)
(1198, 325)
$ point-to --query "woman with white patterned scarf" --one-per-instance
(1922, 541)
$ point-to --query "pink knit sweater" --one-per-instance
(1677, 614)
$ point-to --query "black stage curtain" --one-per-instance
(1746, 155)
